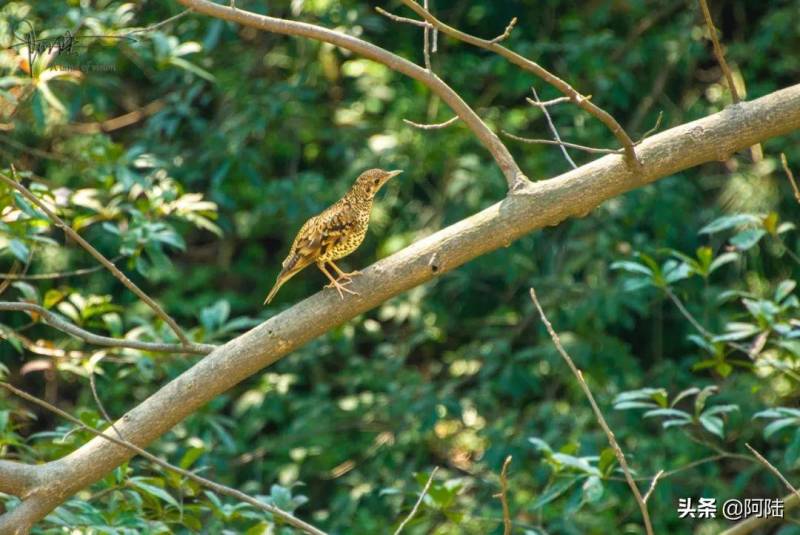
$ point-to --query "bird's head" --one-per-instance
(370, 181)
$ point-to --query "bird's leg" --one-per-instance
(334, 283)
(342, 275)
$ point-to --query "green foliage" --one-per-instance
(678, 301)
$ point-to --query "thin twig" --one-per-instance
(54, 320)
(435, 126)
(503, 495)
(560, 143)
(652, 485)
(14, 183)
(426, 44)
(404, 20)
(506, 33)
(422, 494)
(723, 64)
(158, 25)
(55, 275)
(539, 71)
(93, 362)
(790, 177)
(552, 127)
(598, 414)
(756, 152)
(215, 487)
(772, 468)
(515, 177)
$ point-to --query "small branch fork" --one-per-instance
(56, 321)
(503, 494)
(17, 185)
(531, 66)
(756, 152)
(24, 482)
(515, 178)
(600, 419)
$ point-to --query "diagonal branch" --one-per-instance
(515, 178)
(612, 440)
(756, 152)
(15, 184)
(531, 66)
(202, 481)
(56, 321)
(538, 205)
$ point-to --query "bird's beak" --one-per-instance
(391, 174)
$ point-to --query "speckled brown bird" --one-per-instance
(334, 233)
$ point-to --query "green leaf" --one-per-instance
(19, 250)
(142, 484)
(777, 425)
(730, 221)
(721, 260)
(713, 424)
(747, 238)
(553, 491)
(592, 489)
(632, 267)
(784, 289)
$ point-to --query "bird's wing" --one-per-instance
(335, 225)
(306, 246)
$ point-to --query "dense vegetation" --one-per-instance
(245, 134)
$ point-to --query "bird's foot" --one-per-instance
(341, 288)
(347, 277)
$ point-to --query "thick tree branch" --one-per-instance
(531, 66)
(56, 321)
(538, 205)
(514, 176)
(15, 184)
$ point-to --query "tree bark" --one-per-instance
(533, 206)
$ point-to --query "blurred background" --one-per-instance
(191, 153)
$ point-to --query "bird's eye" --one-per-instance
(376, 181)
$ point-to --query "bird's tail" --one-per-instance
(291, 266)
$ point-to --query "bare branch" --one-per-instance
(115, 123)
(57, 274)
(503, 495)
(790, 177)
(404, 20)
(772, 469)
(718, 53)
(539, 71)
(14, 183)
(422, 494)
(612, 440)
(584, 148)
(54, 320)
(207, 483)
(515, 178)
(506, 33)
(552, 127)
(653, 484)
(93, 362)
(426, 44)
(435, 126)
(756, 152)
(538, 205)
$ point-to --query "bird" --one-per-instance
(334, 233)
